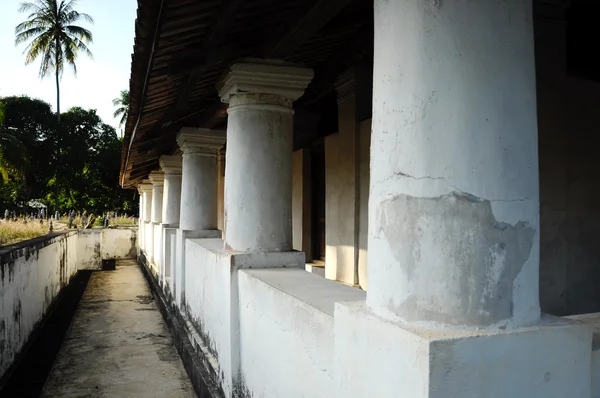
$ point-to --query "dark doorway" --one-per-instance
(318, 200)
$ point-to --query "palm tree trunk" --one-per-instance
(58, 129)
(57, 83)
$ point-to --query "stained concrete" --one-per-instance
(118, 344)
(479, 272)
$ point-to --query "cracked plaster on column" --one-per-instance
(505, 209)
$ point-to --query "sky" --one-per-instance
(98, 81)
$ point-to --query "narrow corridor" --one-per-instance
(118, 344)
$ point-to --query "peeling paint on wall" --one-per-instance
(456, 235)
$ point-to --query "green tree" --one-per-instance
(32, 123)
(12, 152)
(90, 162)
(53, 36)
(76, 167)
(122, 104)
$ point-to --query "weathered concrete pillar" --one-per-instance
(157, 178)
(221, 190)
(145, 218)
(198, 213)
(140, 232)
(258, 175)
(199, 181)
(453, 237)
(171, 166)
(454, 205)
(146, 211)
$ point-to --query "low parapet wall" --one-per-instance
(34, 272)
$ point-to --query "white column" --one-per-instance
(258, 173)
(221, 189)
(141, 203)
(145, 218)
(157, 178)
(454, 203)
(146, 212)
(140, 235)
(453, 216)
(171, 166)
(199, 178)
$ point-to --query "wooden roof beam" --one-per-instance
(304, 28)
(352, 52)
(208, 50)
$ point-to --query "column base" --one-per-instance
(377, 358)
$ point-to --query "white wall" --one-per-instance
(34, 272)
(286, 331)
(157, 247)
(301, 202)
(340, 195)
(95, 245)
(148, 240)
(88, 249)
(118, 243)
(32, 275)
(273, 332)
(169, 250)
(208, 300)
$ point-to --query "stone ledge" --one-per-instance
(25, 248)
(310, 289)
(295, 310)
(243, 260)
(549, 360)
(593, 320)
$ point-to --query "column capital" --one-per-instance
(146, 186)
(157, 178)
(264, 77)
(200, 141)
(171, 165)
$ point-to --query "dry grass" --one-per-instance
(16, 231)
(77, 221)
(118, 221)
(124, 221)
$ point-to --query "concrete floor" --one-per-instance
(118, 344)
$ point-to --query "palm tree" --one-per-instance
(122, 104)
(53, 37)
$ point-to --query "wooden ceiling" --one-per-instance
(183, 46)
